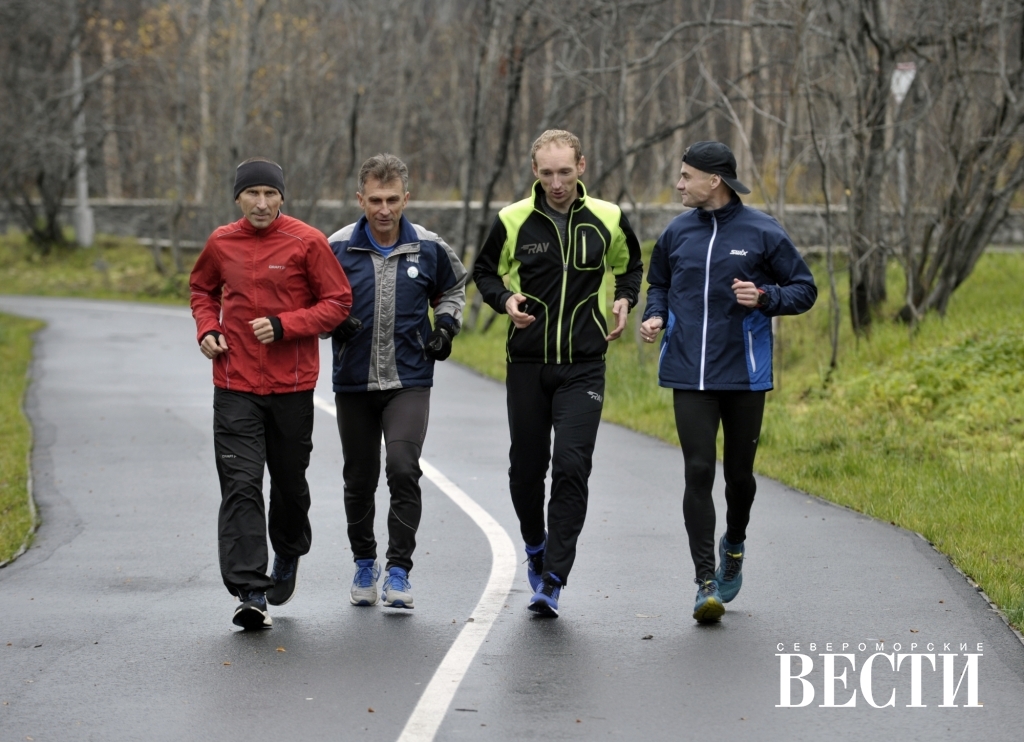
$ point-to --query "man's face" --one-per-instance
(383, 204)
(260, 205)
(557, 170)
(696, 187)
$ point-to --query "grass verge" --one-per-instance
(113, 268)
(17, 515)
(924, 430)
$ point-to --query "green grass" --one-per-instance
(114, 268)
(16, 513)
(924, 431)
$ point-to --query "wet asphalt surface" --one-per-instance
(116, 626)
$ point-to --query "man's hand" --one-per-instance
(520, 319)
(263, 329)
(213, 345)
(620, 310)
(649, 330)
(746, 292)
(439, 343)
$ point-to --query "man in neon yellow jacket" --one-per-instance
(556, 249)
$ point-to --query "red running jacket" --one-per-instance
(286, 271)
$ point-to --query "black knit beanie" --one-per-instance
(259, 172)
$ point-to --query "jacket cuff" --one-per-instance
(278, 329)
(503, 301)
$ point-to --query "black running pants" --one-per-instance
(697, 418)
(401, 415)
(567, 398)
(251, 431)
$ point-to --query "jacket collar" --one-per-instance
(538, 195)
(406, 235)
(723, 214)
(246, 226)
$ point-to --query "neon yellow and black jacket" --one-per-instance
(566, 285)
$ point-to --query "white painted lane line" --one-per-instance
(426, 718)
(433, 704)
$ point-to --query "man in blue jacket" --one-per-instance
(384, 367)
(718, 274)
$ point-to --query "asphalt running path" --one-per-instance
(116, 625)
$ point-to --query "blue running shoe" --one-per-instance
(364, 584)
(709, 607)
(535, 563)
(545, 601)
(252, 613)
(397, 590)
(729, 574)
(286, 570)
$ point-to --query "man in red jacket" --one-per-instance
(262, 290)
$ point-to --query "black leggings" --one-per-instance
(568, 398)
(697, 418)
(401, 414)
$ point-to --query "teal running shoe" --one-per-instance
(729, 574)
(709, 607)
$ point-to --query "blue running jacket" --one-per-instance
(712, 342)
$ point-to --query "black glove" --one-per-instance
(344, 332)
(439, 343)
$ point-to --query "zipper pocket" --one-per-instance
(423, 348)
(750, 345)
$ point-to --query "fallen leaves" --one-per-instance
(370, 710)
(226, 664)
(281, 649)
(648, 636)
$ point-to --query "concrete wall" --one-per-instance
(150, 218)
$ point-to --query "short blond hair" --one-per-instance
(558, 137)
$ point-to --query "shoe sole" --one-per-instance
(398, 603)
(543, 608)
(710, 612)
(363, 602)
(251, 619)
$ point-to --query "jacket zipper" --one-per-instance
(707, 283)
(565, 279)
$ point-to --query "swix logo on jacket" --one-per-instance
(566, 283)
(711, 341)
(392, 296)
(285, 270)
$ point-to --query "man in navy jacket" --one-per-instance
(718, 274)
(384, 367)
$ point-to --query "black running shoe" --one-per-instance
(286, 569)
(252, 613)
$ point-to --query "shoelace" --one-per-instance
(706, 587)
(256, 597)
(536, 562)
(549, 587)
(733, 562)
(364, 576)
(397, 582)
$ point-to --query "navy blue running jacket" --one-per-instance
(711, 341)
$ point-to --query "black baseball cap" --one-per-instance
(715, 158)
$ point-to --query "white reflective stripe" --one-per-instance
(707, 282)
(750, 345)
